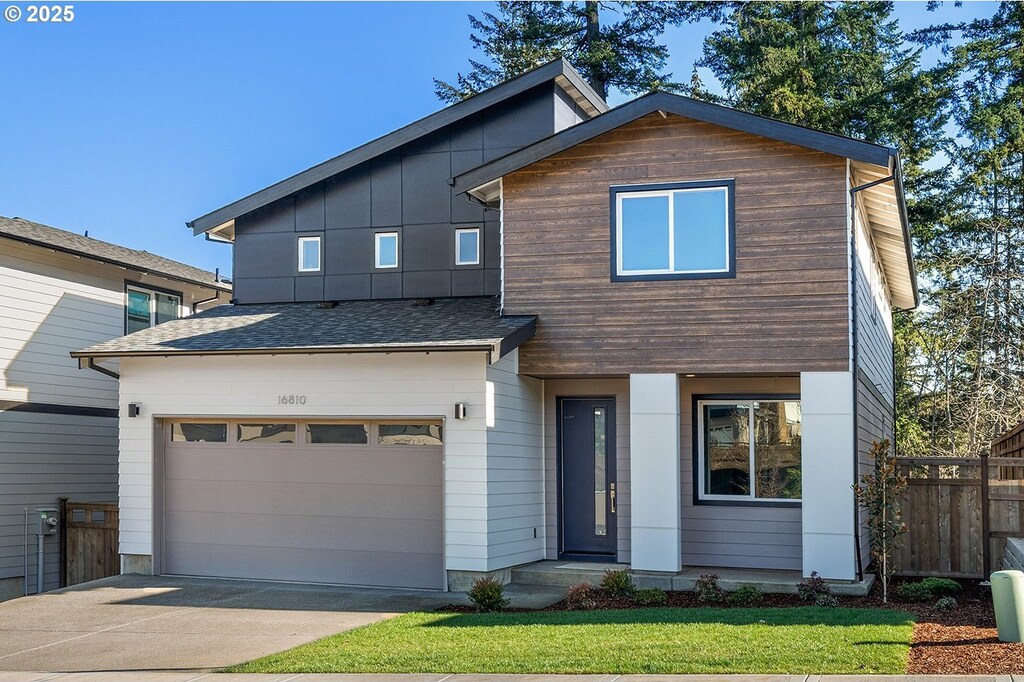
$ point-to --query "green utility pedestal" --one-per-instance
(1008, 600)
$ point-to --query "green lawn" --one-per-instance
(807, 640)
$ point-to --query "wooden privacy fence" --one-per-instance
(88, 541)
(959, 512)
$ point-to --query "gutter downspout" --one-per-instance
(196, 304)
(90, 363)
(855, 358)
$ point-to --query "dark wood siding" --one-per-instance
(785, 311)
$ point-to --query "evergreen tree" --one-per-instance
(624, 53)
(972, 353)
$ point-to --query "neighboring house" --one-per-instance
(58, 425)
(528, 327)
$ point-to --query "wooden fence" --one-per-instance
(88, 541)
(959, 512)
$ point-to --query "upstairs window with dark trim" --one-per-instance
(145, 308)
(749, 450)
(682, 230)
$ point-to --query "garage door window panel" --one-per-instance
(409, 434)
(266, 433)
(337, 434)
(199, 432)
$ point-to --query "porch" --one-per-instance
(770, 581)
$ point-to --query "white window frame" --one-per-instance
(303, 241)
(152, 293)
(702, 494)
(669, 193)
(458, 233)
(377, 237)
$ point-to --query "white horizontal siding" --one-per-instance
(367, 385)
(54, 303)
(515, 466)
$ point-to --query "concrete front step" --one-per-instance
(564, 573)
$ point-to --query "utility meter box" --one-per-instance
(1008, 601)
(49, 520)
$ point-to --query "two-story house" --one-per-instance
(58, 426)
(529, 327)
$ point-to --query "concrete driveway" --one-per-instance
(134, 622)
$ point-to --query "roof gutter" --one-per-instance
(492, 347)
(89, 363)
(901, 203)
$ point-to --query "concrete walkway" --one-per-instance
(137, 623)
(222, 677)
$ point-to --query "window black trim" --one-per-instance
(148, 287)
(730, 186)
(697, 476)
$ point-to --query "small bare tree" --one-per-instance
(878, 493)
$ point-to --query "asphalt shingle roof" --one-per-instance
(451, 323)
(70, 242)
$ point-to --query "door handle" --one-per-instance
(613, 498)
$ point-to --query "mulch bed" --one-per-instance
(959, 642)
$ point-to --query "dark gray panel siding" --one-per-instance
(44, 457)
(408, 190)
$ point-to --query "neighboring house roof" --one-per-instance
(888, 215)
(75, 244)
(350, 326)
(558, 70)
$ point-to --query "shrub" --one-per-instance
(618, 583)
(942, 587)
(914, 592)
(488, 594)
(879, 493)
(707, 589)
(813, 587)
(945, 604)
(747, 595)
(651, 597)
(580, 597)
(827, 601)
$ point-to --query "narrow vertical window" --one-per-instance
(467, 246)
(138, 310)
(600, 473)
(386, 249)
(309, 254)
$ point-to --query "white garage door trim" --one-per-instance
(392, 449)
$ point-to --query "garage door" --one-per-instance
(357, 503)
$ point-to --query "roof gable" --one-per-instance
(726, 117)
(559, 71)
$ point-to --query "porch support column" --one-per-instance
(654, 472)
(827, 461)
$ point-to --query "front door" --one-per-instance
(586, 475)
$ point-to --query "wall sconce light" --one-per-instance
(460, 410)
(134, 409)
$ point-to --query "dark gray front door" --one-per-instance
(586, 474)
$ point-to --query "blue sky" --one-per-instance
(137, 117)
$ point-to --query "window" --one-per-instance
(187, 432)
(146, 308)
(467, 246)
(749, 450)
(266, 434)
(679, 230)
(309, 254)
(409, 434)
(386, 249)
(345, 434)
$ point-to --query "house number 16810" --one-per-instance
(291, 399)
